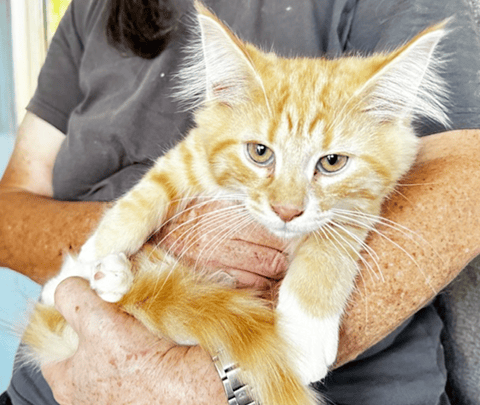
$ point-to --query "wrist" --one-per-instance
(191, 377)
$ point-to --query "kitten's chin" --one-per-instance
(290, 230)
(287, 234)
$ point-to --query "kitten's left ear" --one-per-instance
(408, 83)
(229, 75)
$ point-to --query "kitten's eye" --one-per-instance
(331, 163)
(260, 154)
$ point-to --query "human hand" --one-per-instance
(202, 237)
(119, 361)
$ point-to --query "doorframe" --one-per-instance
(29, 45)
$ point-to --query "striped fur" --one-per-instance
(303, 110)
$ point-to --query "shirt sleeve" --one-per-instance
(58, 91)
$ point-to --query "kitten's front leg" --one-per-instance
(311, 301)
(124, 229)
(314, 340)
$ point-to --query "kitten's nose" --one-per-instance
(287, 212)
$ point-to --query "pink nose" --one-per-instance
(287, 212)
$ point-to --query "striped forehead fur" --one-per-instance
(220, 68)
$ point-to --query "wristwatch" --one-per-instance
(237, 392)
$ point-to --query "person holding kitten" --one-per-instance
(107, 85)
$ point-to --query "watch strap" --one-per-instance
(237, 392)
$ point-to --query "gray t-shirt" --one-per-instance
(118, 115)
(117, 111)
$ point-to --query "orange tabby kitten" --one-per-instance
(309, 148)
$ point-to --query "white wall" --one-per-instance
(29, 48)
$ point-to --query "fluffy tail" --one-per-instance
(190, 308)
(48, 337)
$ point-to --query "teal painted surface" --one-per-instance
(17, 295)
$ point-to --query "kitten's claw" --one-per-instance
(112, 277)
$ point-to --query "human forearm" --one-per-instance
(438, 203)
(36, 231)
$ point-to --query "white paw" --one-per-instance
(314, 340)
(112, 277)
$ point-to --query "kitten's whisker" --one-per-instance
(371, 252)
(373, 255)
(241, 224)
(190, 229)
(332, 235)
(395, 226)
(336, 246)
(333, 231)
(418, 184)
(398, 246)
(214, 218)
(395, 190)
(200, 218)
(373, 274)
(208, 226)
(316, 236)
(222, 227)
(218, 225)
(203, 200)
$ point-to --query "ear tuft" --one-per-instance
(218, 67)
(409, 84)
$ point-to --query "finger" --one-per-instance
(251, 257)
(259, 235)
(246, 279)
(83, 309)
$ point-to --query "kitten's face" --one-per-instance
(297, 140)
(307, 152)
